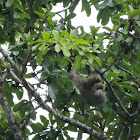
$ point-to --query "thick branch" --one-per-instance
(9, 114)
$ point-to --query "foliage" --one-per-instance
(44, 50)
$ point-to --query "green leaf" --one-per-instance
(103, 15)
(44, 120)
(52, 91)
(81, 52)
(8, 3)
(18, 92)
(41, 15)
(90, 59)
(65, 43)
(135, 13)
(103, 4)
(81, 41)
(128, 87)
(138, 56)
(56, 35)
(86, 7)
(37, 127)
(79, 117)
(94, 30)
(83, 63)
(137, 66)
(97, 59)
(71, 128)
(46, 36)
(66, 3)
(126, 29)
(80, 132)
(77, 62)
(57, 48)
(70, 16)
(23, 15)
(42, 47)
(15, 53)
(73, 33)
(66, 52)
(39, 58)
(19, 105)
(107, 28)
(74, 6)
(36, 46)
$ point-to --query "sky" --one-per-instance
(81, 18)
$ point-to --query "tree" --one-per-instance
(29, 39)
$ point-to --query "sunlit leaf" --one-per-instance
(56, 35)
(8, 3)
(66, 52)
(57, 48)
(39, 57)
(46, 36)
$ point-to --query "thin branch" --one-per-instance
(137, 110)
(131, 74)
(108, 68)
(71, 5)
(14, 76)
(113, 92)
(130, 132)
(23, 122)
(102, 125)
(138, 134)
(133, 36)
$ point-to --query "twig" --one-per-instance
(133, 36)
(137, 110)
(133, 77)
(138, 134)
(101, 122)
(71, 5)
(108, 68)
(23, 122)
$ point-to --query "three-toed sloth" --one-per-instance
(92, 91)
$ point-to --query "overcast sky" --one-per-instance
(81, 18)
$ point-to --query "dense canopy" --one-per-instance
(36, 54)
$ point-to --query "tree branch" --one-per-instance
(8, 112)
(71, 5)
(14, 76)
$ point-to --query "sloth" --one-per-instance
(92, 91)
